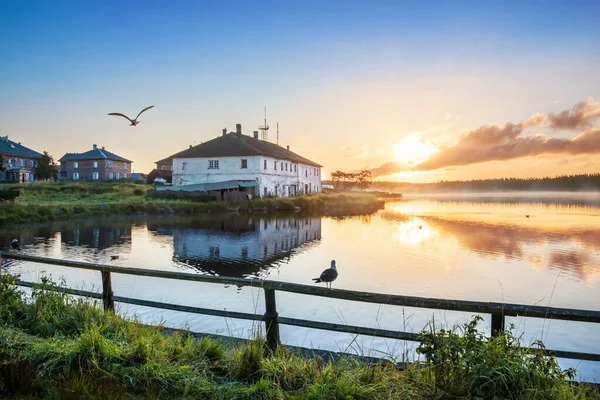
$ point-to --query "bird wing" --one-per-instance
(147, 108)
(122, 115)
(328, 275)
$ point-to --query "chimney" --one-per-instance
(102, 147)
(95, 146)
(238, 129)
(288, 147)
(224, 131)
(190, 146)
(255, 134)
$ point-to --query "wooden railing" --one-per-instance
(272, 320)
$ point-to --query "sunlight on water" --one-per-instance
(485, 249)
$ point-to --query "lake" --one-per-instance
(455, 247)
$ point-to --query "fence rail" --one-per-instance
(498, 311)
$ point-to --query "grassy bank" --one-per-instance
(53, 346)
(39, 202)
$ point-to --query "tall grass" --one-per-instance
(55, 346)
(45, 201)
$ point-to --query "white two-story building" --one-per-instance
(264, 168)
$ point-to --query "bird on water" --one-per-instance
(135, 121)
(328, 276)
(15, 244)
(112, 258)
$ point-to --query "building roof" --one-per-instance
(9, 147)
(163, 173)
(237, 145)
(94, 154)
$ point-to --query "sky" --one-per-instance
(414, 90)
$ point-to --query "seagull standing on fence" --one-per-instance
(15, 244)
(328, 276)
(135, 121)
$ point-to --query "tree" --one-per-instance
(336, 176)
(2, 163)
(364, 178)
(47, 169)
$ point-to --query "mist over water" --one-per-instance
(448, 246)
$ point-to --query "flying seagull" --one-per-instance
(135, 121)
(328, 276)
(15, 244)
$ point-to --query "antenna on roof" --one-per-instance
(264, 128)
(278, 134)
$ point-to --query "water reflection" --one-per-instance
(238, 246)
(98, 237)
(564, 238)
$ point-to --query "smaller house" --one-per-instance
(139, 177)
(97, 164)
(20, 163)
(166, 164)
(165, 174)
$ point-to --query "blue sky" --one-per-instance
(335, 74)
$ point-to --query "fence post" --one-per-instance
(271, 319)
(497, 323)
(107, 292)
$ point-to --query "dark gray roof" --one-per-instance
(234, 145)
(9, 147)
(94, 154)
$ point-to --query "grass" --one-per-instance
(57, 347)
(45, 201)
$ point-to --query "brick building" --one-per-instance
(97, 164)
(20, 163)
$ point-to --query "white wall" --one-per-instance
(303, 179)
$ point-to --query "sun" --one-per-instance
(411, 151)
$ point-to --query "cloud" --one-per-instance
(581, 116)
(496, 142)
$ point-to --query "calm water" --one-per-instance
(461, 248)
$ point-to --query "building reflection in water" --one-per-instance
(98, 237)
(239, 246)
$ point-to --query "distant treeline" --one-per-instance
(584, 182)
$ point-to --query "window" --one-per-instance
(244, 164)
(75, 176)
(286, 166)
(306, 172)
(117, 175)
(30, 163)
(96, 164)
(265, 196)
(110, 175)
(183, 165)
(164, 167)
(124, 176)
(109, 162)
(75, 164)
(95, 176)
(294, 167)
(124, 165)
(21, 163)
(282, 166)
(213, 164)
(275, 165)
(265, 164)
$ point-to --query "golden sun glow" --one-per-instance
(411, 151)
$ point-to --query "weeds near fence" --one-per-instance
(55, 346)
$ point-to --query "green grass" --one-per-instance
(45, 201)
(53, 346)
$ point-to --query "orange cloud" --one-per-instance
(495, 142)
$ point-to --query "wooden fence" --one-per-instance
(272, 320)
